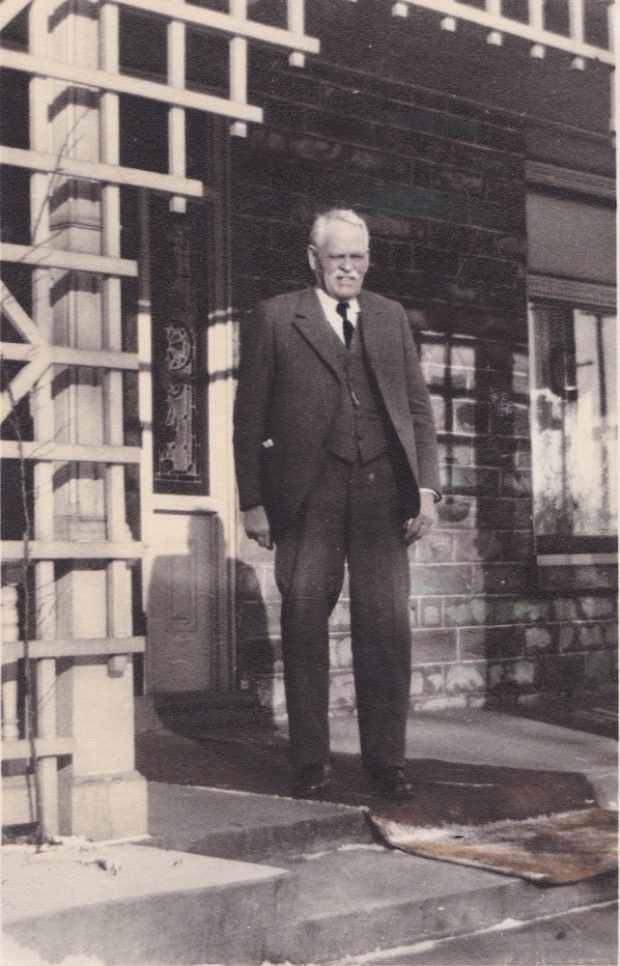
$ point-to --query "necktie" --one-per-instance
(347, 326)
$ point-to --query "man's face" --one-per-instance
(340, 262)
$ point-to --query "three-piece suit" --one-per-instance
(335, 443)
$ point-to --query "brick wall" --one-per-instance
(443, 192)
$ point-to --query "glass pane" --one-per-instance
(555, 356)
(179, 301)
(590, 427)
(574, 422)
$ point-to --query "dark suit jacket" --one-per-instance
(289, 388)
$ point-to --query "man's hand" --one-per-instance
(257, 526)
(419, 526)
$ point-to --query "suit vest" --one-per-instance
(360, 430)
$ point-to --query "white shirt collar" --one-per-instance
(328, 304)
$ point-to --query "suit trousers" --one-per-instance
(353, 514)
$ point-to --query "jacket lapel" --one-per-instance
(311, 323)
(383, 351)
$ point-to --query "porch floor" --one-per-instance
(218, 790)
(538, 761)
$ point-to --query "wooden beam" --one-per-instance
(64, 355)
(51, 452)
(13, 550)
(225, 23)
(22, 383)
(93, 358)
(42, 409)
(10, 9)
(43, 748)
(123, 84)
(295, 21)
(527, 31)
(118, 578)
(571, 291)
(18, 317)
(176, 47)
(43, 256)
(568, 179)
(238, 64)
(19, 351)
(95, 171)
(576, 20)
(73, 647)
(536, 14)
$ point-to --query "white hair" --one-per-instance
(322, 222)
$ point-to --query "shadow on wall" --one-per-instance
(190, 667)
(257, 608)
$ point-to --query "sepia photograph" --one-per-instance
(308, 482)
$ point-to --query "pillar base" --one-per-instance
(103, 807)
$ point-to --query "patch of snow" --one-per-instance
(361, 847)
(422, 947)
(348, 847)
(506, 924)
(399, 832)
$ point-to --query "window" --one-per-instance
(179, 301)
(574, 420)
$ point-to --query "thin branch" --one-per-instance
(28, 663)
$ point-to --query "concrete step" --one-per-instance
(361, 899)
(583, 937)
(248, 827)
(353, 895)
(127, 904)
(124, 904)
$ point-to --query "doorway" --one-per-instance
(186, 500)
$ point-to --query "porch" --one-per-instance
(244, 876)
(124, 574)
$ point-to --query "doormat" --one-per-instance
(550, 850)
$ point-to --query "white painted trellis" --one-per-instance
(37, 351)
(498, 24)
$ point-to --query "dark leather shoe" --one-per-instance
(392, 782)
(309, 781)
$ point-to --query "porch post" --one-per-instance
(101, 795)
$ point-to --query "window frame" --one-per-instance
(568, 297)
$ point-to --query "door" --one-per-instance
(187, 493)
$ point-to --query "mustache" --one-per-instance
(353, 275)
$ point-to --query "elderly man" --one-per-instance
(336, 461)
